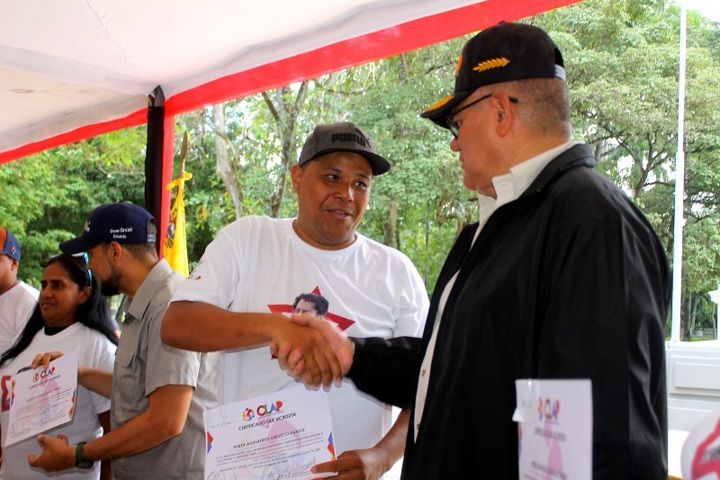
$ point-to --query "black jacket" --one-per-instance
(568, 281)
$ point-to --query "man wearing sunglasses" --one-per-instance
(562, 277)
(158, 392)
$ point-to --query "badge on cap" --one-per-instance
(490, 64)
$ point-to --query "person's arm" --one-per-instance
(96, 380)
(370, 463)
(164, 419)
(203, 327)
(104, 420)
(605, 302)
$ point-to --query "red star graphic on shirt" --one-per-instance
(342, 322)
(706, 459)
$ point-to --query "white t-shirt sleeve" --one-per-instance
(413, 305)
(215, 279)
(26, 298)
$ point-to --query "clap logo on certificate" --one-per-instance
(554, 429)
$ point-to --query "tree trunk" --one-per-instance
(285, 111)
(689, 320)
(223, 166)
(390, 237)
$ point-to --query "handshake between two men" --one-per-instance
(315, 359)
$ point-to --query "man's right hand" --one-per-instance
(306, 367)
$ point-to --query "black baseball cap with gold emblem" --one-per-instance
(502, 53)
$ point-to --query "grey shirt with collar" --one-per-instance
(143, 364)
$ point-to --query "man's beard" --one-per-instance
(111, 286)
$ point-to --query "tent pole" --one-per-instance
(158, 162)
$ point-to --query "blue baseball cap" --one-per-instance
(9, 245)
(114, 222)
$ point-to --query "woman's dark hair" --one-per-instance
(94, 313)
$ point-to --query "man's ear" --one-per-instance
(85, 294)
(115, 252)
(14, 265)
(505, 115)
(296, 174)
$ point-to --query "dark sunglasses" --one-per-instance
(453, 126)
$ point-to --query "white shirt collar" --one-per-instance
(509, 186)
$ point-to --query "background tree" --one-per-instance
(622, 63)
(623, 76)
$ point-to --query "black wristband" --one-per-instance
(81, 461)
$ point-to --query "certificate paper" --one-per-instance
(42, 399)
(554, 429)
(271, 437)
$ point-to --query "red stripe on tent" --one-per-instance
(391, 41)
(384, 43)
(132, 120)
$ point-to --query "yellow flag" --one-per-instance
(175, 247)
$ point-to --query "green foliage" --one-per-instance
(47, 196)
(622, 64)
(622, 60)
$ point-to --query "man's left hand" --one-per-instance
(57, 454)
(366, 464)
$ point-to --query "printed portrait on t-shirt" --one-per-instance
(311, 303)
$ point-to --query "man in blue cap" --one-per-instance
(17, 298)
(158, 392)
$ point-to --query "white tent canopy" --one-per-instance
(74, 68)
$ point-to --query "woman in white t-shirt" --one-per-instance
(71, 314)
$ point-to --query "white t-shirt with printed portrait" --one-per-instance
(259, 264)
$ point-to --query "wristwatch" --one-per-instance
(81, 461)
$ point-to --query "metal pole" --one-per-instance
(679, 187)
(154, 188)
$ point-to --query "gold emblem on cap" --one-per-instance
(458, 65)
(490, 64)
(439, 103)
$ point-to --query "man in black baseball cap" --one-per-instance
(342, 137)
(254, 268)
(562, 277)
(504, 53)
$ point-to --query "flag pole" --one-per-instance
(679, 220)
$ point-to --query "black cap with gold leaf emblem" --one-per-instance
(502, 53)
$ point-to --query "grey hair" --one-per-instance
(544, 104)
